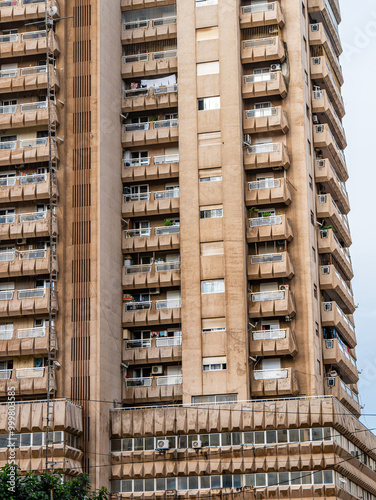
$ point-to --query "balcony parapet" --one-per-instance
(322, 74)
(24, 342)
(265, 266)
(35, 301)
(25, 263)
(151, 312)
(26, 79)
(345, 395)
(150, 63)
(336, 287)
(26, 151)
(20, 10)
(149, 29)
(328, 210)
(273, 303)
(268, 155)
(157, 132)
(322, 105)
(147, 389)
(273, 343)
(333, 316)
(27, 43)
(158, 274)
(324, 140)
(151, 239)
(262, 49)
(321, 11)
(264, 84)
(328, 243)
(272, 228)
(156, 167)
(154, 350)
(25, 188)
(25, 381)
(150, 98)
(318, 36)
(143, 4)
(26, 225)
(325, 174)
(158, 202)
(270, 191)
(27, 115)
(337, 355)
(263, 14)
(273, 119)
(274, 382)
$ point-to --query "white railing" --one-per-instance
(31, 333)
(33, 216)
(163, 21)
(261, 113)
(32, 293)
(136, 162)
(8, 145)
(138, 306)
(33, 143)
(141, 268)
(328, 306)
(168, 304)
(261, 77)
(8, 110)
(33, 70)
(12, 37)
(133, 25)
(33, 106)
(138, 382)
(166, 123)
(265, 184)
(7, 219)
(270, 374)
(32, 178)
(346, 354)
(143, 91)
(136, 58)
(137, 233)
(168, 342)
(7, 256)
(6, 294)
(138, 343)
(169, 380)
(343, 282)
(167, 266)
(32, 254)
(159, 231)
(266, 258)
(265, 221)
(35, 372)
(32, 35)
(136, 197)
(269, 334)
(259, 7)
(349, 392)
(5, 374)
(259, 42)
(165, 89)
(332, 16)
(6, 332)
(27, 2)
(166, 159)
(8, 3)
(268, 147)
(166, 54)
(132, 127)
(271, 295)
(167, 193)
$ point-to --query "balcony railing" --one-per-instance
(260, 7)
(147, 381)
(261, 113)
(133, 127)
(23, 179)
(5, 374)
(166, 159)
(136, 162)
(167, 266)
(8, 3)
(29, 35)
(138, 344)
(327, 269)
(269, 147)
(164, 89)
(31, 333)
(138, 382)
(7, 219)
(35, 372)
(270, 374)
(137, 233)
(33, 143)
(153, 56)
(323, 199)
(141, 268)
(26, 71)
(265, 221)
(6, 294)
(259, 42)
(324, 233)
(168, 342)
(328, 306)
(322, 164)
(147, 268)
(138, 306)
(33, 216)
(265, 184)
(169, 380)
(149, 23)
(329, 343)
(168, 304)
(147, 343)
(261, 77)
(271, 295)
(168, 193)
(269, 334)
(32, 293)
(266, 258)
(350, 392)
(136, 197)
(160, 231)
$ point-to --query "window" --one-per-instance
(214, 364)
(201, 3)
(317, 329)
(312, 218)
(212, 286)
(215, 398)
(211, 175)
(208, 103)
(315, 291)
(211, 212)
(209, 68)
(310, 181)
(207, 34)
(213, 325)
(6, 330)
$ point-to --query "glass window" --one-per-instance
(208, 103)
(214, 439)
(213, 286)
(172, 441)
(138, 484)
(271, 436)
(294, 435)
(149, 484)
(160, 486)
(227, 481)
(37, 438)
(25, 440)
(3, 440)
(249, 480)
(205, 482)
(236, 438)
(272, 478)
(328, 477)
(193, 483)
(192, 438)
(327, 433)
(295, 477)
(237, 481)
(138, 444)
(305, 435)
(127, 444)
(284, 478)
(182, 483)
(171, 483)
(226, 439)
(204, 439)
(149, 443)
(260, 479)
(259, 437)
(116, 486)
(249, 438)
(183, 442)
(317, 434)
(282, 436)
(216, 481)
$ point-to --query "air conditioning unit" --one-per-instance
(248, 138)
(333, 373)
(321, 163)
(157, 369)
(197, 444)
(288, 319)
(316, 60)
(275, 67)
(325, 270)
(21, 241)
(154, 291)
(315, 27)
(329, 344)
(315, 119)
(163, 444)
(331, 382)
(284, 287)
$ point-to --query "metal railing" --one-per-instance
(36, 372)
(259, 7)
(33, 216)
(34, 70)
(32, 35)
(136, 197)
(6, 332)
(327, 270)
(262, 112)
(168, 342)
(265, 221)
(261, 77)
(270, 374)
(165, 89)
(324, 233)
(32, 178)
(12, 37)
(32, 254)
(165, 54)
(154, 56)
(271, 295)
(8, 110)
(169, 380)
(269, 334)
(174, 122)
(350, 392)
(33, 106)
(259, 42)
(140, 268)
(266, 258)
(138, 343)
(264, 184)
(136, 58)
(323, 198)
(31, 333)
(7, 219)
(167, 193)
(167, 266)
(7, 256)
(33, 143)
(5, 374)
(32, 293)
(137, 233)
(132, 127)
(138, 382)
(132, 25)
(160, 21)
(136, 162)
(328, 306)
(174, 158)
(138, 306)
(6, 145)
(268, 147)
(6, 294)
(143, 91)
(159, 231)
(168, 304)
(8, 3)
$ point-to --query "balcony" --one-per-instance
(24, 380)
(154, 350)
(26, 151)
(262, 14)
(26, 79)
(151, 63)
(155, 203)
(26, 302)
(26, 225)
(322, 75)
(272, 303)
(27, 44)
(265, 266)
(31, 114)
(333, 316)
(328, 243)
(151, 312)
(20, 10)
(328, 210)
(337, 288)
(262, 49)
(264, 84)
(158, 274)
(149, 29)
(24, 342)
(319, 39)
(274, 383)
(156, 167)
(272, 228)
(337, 355)
(151, 239)
(143, 4)
(321, 11)
(150, 98)
(324, 140)
(326, 175)
(267, 155)
(345, 396)
(273, 343)
(148, 389)
(272, 119)
(157, 132)
(322, 107)
(30, 187)
(266, 192)
(25, 263)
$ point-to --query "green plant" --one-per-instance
(253, 209)
(327, 227)
(266, 214)
(167, 222)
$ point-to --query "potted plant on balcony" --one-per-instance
(168, 222)
(253, 209)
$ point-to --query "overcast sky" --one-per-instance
(358, 33)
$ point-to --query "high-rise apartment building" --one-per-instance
(175, 292)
